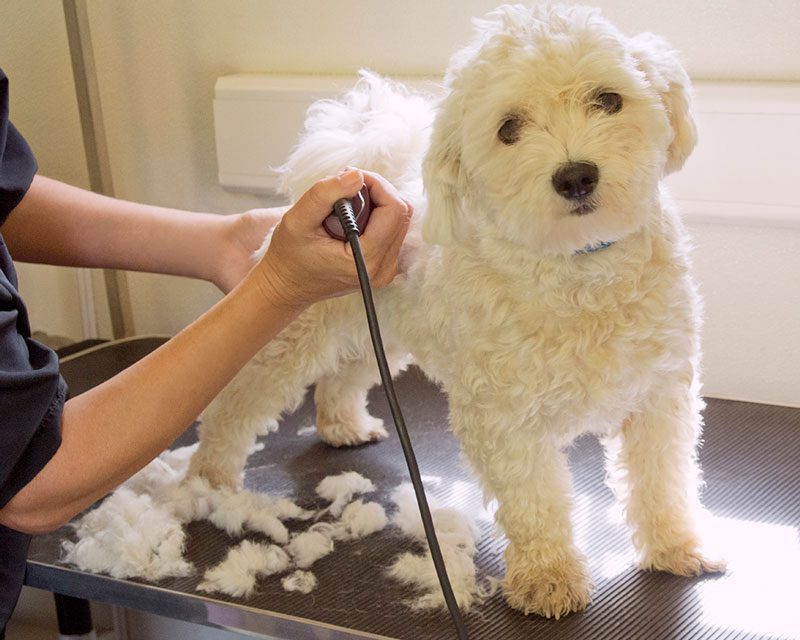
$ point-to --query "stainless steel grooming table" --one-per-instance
(750, 457)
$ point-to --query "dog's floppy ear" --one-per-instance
(444, 179)
(663, 68)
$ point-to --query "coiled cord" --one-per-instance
(344, 211)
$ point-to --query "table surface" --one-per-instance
(749, 457)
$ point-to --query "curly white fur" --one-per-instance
(302, 581)
(237, 574)
(138, 530)
(309, 546)
(361, 519)
(533, 340)
(130, 536)
(456, 535)
(341, 488)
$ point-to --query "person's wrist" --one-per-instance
(276, 289)
(226, 253)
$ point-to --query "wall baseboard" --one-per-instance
(741, 213)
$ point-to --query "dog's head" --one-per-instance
(555, 132)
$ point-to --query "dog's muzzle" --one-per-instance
(577, 181)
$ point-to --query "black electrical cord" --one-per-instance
(344, 211)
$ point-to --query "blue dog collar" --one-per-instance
(592, 248)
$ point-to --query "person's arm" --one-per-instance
(113, 430)
(63, 225)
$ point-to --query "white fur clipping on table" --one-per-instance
(340, 489)
(138, 532)
(309, 546)
(236, 575)
(360, 519)
(456, 535)
(302, 581)
(130, 535)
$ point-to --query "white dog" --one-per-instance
(551, 295)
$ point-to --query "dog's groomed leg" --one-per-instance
(653, 468)
(228, 428)
(341, 402)
(341, 399)
(273, 382)
(526, 471)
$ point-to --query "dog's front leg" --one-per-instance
(523, 467)
(274, 381)
(653, 468)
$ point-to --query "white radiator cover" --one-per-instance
(746, 167)
(258, 119)
(743, 171)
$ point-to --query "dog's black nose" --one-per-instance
(576, 180)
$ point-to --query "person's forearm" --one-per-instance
(111, 431)
(63, 225)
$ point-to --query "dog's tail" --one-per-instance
(379, 125)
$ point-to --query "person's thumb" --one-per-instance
(317, 203)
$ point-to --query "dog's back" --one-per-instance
(379, 125)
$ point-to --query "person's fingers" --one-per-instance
(382, 239)
(390, 214)
(381, 191)
(386, 230)
(384, 255)
(393, 252)
(317, 203)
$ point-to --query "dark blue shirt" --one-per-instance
(32, 393)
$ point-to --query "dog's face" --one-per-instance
(556, 131)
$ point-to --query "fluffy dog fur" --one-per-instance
(534, 339)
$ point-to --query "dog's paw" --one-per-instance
(215, 476)
(338, 434)
(682, 561)
(551, 591)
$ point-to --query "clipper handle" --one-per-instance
(361, 210)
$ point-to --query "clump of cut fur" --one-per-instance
(138, 530)
(309, 546)
(129, 536)
(361, 519)
(237, 574)
(302, 581)
(456, 535)
(341, 488)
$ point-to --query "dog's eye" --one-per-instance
(511, 130)
(609, 102)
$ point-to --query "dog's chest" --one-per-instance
(548, 345)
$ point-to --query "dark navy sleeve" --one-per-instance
(17, 164)
(32, 393)
(31, 389)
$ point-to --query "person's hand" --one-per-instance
(244, 235)
(303, 264)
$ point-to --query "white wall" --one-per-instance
(33, 52)
(751, 338)
(157, 61)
